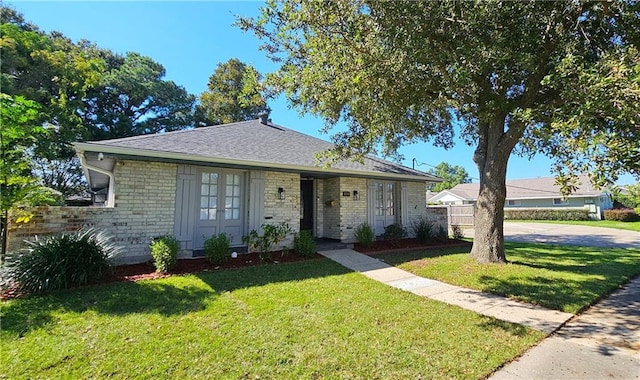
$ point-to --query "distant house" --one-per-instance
(534, 193)
(234, 178)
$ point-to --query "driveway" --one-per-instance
(565, 234)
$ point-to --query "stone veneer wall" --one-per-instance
(287, 210)
(145, 206)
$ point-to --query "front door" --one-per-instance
(220, 206)
(385, 206)
(306, 205)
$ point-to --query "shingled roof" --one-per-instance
(532, 188)
(248, 144)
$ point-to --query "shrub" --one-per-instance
(164, 250)
(393, 233)
(546, 214)
(303, 244)
(217, 248)
(457, 231)
(621, 215)
(271, 234)
(422, 229)
(364, 234)
(62, 261)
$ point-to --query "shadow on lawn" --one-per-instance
(396, 258)
(602, 271)
(170, 296)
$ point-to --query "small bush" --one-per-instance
(422, 229)
(62, 261)
(271, 234)
(303, 244)
(164, 250)
(364, 234)
(546, 214)
(621, 215)
(217, 248)
(393, 233)
(457, 231)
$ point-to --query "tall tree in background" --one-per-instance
(19, 132)
(83, 92)
(560, 77)
(451, 174)
(233, 94)
(133, 99)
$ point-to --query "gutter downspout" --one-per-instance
(111, 195)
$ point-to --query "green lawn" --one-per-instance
(558, 277)
(631, 226)
(312, 319)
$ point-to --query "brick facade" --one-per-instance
(287, 210)
(146, 198)
(145, 206)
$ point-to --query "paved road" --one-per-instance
(565, 234)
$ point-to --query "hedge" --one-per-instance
(621, 215)
(544, 214)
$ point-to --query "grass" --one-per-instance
(631, 226)
(558, 277)
(312, 319)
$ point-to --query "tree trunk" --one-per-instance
(491, 157)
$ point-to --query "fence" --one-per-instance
(461, 215)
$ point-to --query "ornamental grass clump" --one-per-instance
(364, 235)
(62, 261)
(164, 250)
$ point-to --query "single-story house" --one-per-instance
(234, 178)
(534, 193)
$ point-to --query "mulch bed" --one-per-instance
(146, 271)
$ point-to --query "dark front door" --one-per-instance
(306, 205)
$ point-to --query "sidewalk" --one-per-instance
(604, 342)
(490, 305)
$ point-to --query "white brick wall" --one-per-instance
(145, 206)
(287, 210)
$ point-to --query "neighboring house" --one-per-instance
(534, 193)
(234, 178)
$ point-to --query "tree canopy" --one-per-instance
(451, 174)
(557, 78)
(233, 94)
(83, 92)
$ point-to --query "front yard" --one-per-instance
(566, 278)
(311, 319)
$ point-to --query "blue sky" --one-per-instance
(190, 38)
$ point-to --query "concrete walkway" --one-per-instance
(483, 303)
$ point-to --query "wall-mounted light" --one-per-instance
(356, 195)
(281, 194)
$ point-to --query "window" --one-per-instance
(232, 197)
(513, 202)
(380, 199)
(209, 196)
(560, 201)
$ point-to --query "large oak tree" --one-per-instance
(558, 78)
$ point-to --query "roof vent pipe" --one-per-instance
(264, 117)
